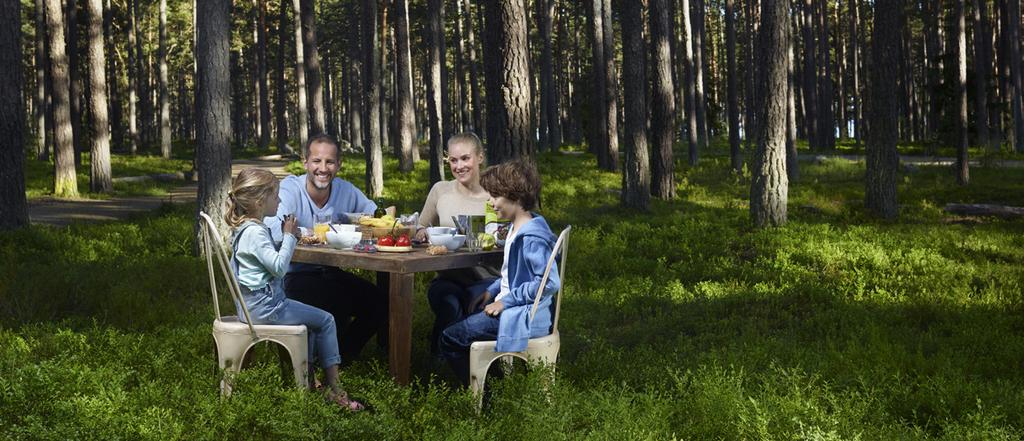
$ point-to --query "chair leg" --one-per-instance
(478, 378)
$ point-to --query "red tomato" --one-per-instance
(386, 241)
(403, 241)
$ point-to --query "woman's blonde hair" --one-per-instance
(248, 192)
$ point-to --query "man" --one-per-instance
(320, 193)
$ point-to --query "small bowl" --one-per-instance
(344, 239)
(353, 218)
(440, 230)
(455, 242)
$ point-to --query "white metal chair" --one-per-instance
(232, 337)
(541, 349)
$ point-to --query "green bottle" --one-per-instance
(379, 212)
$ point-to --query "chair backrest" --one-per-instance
(561, 248)
(213, 247)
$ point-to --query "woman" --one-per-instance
(454, 294)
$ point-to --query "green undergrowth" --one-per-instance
(39, 176)
(678, 323)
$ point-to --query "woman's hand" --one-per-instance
(479, 302)
(421, 234)
(494, 309)
(289, 226)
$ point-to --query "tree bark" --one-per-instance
(280, 94)
(405, 113)
(213, 102)
(881, 158)
(700, 94)
(13, 205)
(636, 191)
(855, 70)
(300, 78)
(474, 82)
(42, 146)
(962, 171)
(371, 69)
(262, 73)
(769, 190)
(733, 106)
(99, 176)
(599, 131)
(165, 103)
(436, 87)
(663, 106)
(311, 61)
(134, 78)
(509, 120)
(982, 70)
(792, 165)
(689, 84)
(549, 90)
(71, 38)
(1016, 77)
(827, 123)
(810, 87)
(65, 183)
(610, 96)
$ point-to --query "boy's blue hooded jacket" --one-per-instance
(528, 257)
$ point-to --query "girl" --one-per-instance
(259, 265)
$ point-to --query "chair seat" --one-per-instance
(532, 344)
(230, 324)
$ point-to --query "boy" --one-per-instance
(514, 188)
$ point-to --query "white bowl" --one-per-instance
(455, 242)
(441, 230)
(439, 239)
(343, 228)
(344, 239)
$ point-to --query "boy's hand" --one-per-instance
(289, 225)
(479, 302)
(494, 309)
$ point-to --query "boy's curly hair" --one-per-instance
(516, 180)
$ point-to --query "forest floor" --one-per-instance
(61, 212)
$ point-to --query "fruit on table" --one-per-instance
(487, 241)
(403, 241)
(386, 221)
(387, 241)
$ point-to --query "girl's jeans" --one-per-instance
(268, 307)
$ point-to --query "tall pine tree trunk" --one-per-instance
(636, 191)
(689, 83)
(42, 146)
(663, 106)
(99, 176)
(1016, 77)
(436, 87)
(405, 113)
(300, 78)
(65, 183)
(962, 172)
(474, 81)
(881, 158)
(827, 123)
(511, 133)
(792, 163)
(371, 69)
(855, 70)
(165, 102)
(733, 105)
(213, 105)
(72, 52)
(769, 190)
(700, 86)
(13, 205)
(982, 70)
(311, 60)
(549, 89)
(810, 86)
(134, 78)
(262, 73)
(598, 141)
(611, 91)
(280, 93)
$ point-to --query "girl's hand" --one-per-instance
(494, 309)
(289, 225)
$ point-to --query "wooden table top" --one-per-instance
(412, 262)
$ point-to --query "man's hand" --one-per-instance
(494, 309)
(479, 302)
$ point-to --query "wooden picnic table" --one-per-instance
(399, 269)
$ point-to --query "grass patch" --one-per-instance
(683, 322)
(39, 176)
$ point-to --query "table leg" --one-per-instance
(400, 324)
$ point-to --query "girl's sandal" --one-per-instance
(342, 400)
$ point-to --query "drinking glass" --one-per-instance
(321, 225)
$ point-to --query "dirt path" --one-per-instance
(60, 212)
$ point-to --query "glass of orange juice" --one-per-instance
(321, 225)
